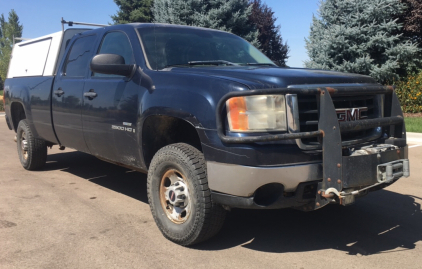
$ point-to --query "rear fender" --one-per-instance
(18, 95)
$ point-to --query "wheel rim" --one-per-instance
(174, 196)
(24, 145)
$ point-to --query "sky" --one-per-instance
(42, 17)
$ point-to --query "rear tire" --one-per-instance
(32, 152)
(179, 197)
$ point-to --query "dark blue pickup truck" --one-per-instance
(214, 122)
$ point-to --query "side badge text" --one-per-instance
(122, 128)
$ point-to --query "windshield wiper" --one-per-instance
(261, 64)
(215, 62)
(174, 65)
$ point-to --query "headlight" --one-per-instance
(258, 113)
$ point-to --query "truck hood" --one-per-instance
(270, 77)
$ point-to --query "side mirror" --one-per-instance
(111, 64)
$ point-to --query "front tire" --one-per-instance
(32, 152)
(179, 197)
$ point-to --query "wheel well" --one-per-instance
(160, 131)
(18, 113)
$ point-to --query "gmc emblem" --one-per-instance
(351, 114)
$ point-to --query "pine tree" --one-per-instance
(269, 37)
(226, 15)
(361, 36)
(8, 30)
(133, 11)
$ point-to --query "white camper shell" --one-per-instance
(39, 56)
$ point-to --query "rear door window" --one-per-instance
(79, 57)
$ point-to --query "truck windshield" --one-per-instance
(167, 46)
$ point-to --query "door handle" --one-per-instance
(91, 94)
(59, 92)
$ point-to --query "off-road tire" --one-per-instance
(36, 155)
(206, 218)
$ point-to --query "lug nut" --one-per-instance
(329, 179)
(339, 181)
(338, 165)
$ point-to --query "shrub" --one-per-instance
(409, 92)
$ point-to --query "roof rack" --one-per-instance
(71, 23)
(20, 39)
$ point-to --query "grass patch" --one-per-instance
(413, 125)
(1, 92)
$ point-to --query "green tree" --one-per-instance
(269, 37)
(226, 15)
(133, 11)
(8, 30)
(361, 36)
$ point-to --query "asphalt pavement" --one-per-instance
(80, 212)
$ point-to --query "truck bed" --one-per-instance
(36, 93)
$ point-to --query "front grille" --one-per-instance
(308, 106)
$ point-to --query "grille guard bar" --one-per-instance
(346, 126)
(329, 128)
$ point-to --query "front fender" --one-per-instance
(190, 97)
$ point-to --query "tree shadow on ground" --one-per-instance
(384, 221)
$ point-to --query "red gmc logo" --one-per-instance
(351, 114)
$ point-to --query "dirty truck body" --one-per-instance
(214, 123)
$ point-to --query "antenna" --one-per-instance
(71, 23)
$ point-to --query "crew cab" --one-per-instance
(213, 122)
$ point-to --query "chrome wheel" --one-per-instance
(24, 146)
(174, 196)
(179, 197)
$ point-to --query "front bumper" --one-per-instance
(297, 186)
(239, 180)
(342, 174)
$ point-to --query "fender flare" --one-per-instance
(173, 113)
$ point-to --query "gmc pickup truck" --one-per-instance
(213, 122)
